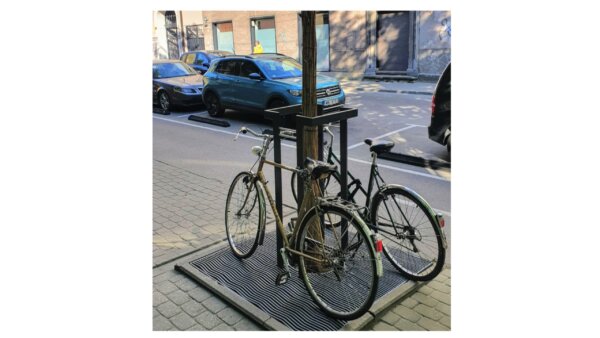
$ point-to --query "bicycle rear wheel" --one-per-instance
(344, 283)
(244, 215)
(412, 239)
(331, 186)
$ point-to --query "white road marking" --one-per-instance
(400, 169)
(384, 135)
(218, 130)
(294, 147)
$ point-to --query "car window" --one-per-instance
(174, 69)
(189, 59)
(228, 67)
(201, 59)
(280, 68)
(248, 67)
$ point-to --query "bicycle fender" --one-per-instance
(378, 259)
(263, 212)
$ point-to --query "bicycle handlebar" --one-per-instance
(245, 130)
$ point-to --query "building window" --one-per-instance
(322, 32)
(195, 37)
(172, 35)
(263, 30)
(224, 36)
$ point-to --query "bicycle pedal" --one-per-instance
(282, 278)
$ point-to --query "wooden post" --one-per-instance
(309, 108)
(309, 81)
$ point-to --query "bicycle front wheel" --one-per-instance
(244, 215)
(338, 265)
(412, 239)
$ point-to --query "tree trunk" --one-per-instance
(309, 108)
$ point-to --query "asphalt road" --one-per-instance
(210, 151)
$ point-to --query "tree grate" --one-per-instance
(254, 280)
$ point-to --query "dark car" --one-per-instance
(439, 128)
(175, 84)
(200, 59)
(261, 81)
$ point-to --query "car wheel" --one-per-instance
(276, 103)
(163, 101)
(213, 105)
(448, 143)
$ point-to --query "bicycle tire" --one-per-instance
(332, 186)
(244, 238)
(345, 286)
(422, 233)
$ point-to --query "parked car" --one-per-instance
(200, 59)
(439, 128)
(261, 81)
(175, 84)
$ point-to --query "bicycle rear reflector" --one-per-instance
(379, 246)
(441, 221)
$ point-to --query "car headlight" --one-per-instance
(184, 90)
(295, 92)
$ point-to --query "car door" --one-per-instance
(225, 80)
(251, 93)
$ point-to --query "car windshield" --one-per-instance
(174, 69)
(281, 68)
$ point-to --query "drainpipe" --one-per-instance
(371, 41)
(183, 42)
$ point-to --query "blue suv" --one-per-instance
(262, 81)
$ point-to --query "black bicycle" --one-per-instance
(412, 233)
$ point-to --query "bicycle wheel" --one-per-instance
(344, 283)
(331, 186)
(412, 239)
(244, 215)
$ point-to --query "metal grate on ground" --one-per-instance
(250, 286)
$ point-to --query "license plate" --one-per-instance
(330, 102)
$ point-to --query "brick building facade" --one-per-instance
(415, 43)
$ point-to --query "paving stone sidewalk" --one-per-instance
(188, 215)
(187, 211)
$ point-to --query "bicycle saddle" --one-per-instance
(379, 147)
(319, 169)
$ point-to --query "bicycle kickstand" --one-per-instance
(284, 274)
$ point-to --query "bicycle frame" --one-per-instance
(374, 177)
(260, 177)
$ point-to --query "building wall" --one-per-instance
(434, 31)
(348, 46)
(192, 18)
(286, 28)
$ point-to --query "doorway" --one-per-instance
(393, 32)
